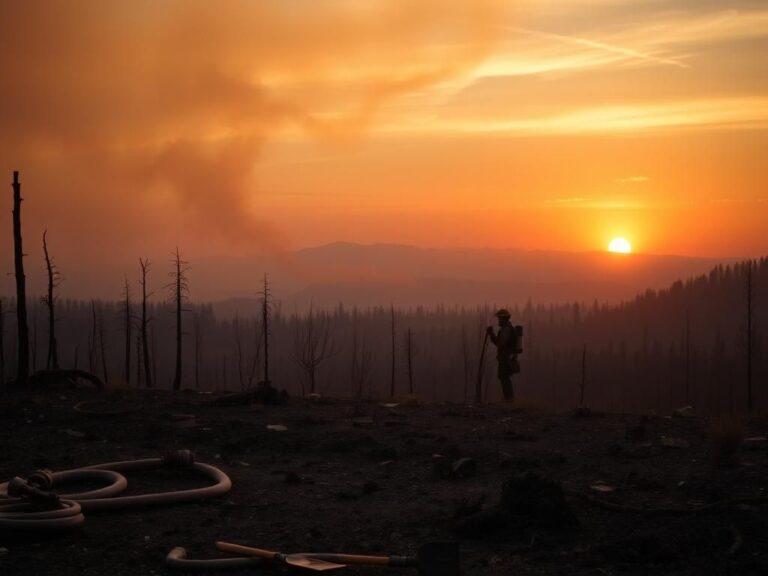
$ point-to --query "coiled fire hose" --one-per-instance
(31, 503)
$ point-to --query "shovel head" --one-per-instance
(309, 563)
(439, 559)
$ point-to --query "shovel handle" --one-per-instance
(361, 560)
(247, 550)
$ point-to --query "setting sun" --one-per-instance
(620, 245)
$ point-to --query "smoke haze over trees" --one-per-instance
(686, 344)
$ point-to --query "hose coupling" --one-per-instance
(19, 488)
(42, 479)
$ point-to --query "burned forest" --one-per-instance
(318, 421)
(383, 287)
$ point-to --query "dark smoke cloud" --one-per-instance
(151, 116)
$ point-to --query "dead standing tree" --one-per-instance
(198, 342)
(22, 371)
(128, 328)
(266, 326)
(103, 349)
(750, 334)
(2, 342)
(465, 357)
(410, 352)
(92, 339)
(361, 368)
(392, 327)
(313, 344)
(179, 288)
(144, 324)
(54, 280)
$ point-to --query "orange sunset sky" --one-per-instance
(234, 127)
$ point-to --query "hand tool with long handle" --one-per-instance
(296, 560)
(432, 559)
(480, 367)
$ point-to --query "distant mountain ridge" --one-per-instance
(408, 276)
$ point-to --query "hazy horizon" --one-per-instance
(382, 274)
(499, 123)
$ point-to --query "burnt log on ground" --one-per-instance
(263, 393)
(54, 378)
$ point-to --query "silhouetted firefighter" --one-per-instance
(508, 344)
(22, 372)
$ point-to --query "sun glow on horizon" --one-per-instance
(620, 246)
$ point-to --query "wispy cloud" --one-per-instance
(663, 38)
(619, 50)
(734, 113)
(595, 203)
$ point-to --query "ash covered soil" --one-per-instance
(523, 491)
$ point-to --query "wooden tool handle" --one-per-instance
(351, 559)
(247, 550)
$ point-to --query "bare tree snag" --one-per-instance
(54, 279)
(392, 383)
(2, 343)
(265, 324)
(197, 337)
(361, 367)
(128, 329)
(139, 360)
(465, 356)
(92, 340)
(144, 324)
(257, 343)
(239, 351)
(22, 371)
(33, 344)
(583, 386)
(179, 293)
(103, 346)
(313, 344)
(409, 352)
(750, 335)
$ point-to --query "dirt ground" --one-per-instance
(366, 478)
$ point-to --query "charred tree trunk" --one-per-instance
(465, 356)
(265, 324)
(196, 328)
(583, 375)
(144, 324)
(128, 327)
(180, 290)
(750, 339)
(392, 383)
(481, 371)
(409, 356)
(313, 344)
(52, 361)
(153, 357)
(687, 353)
(2, 343)
(239, 351)
(258, 338)
(33, 344)
(103, 346)
(22, 371)
(139, 360)
(92, 341)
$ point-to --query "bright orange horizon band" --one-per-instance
(538, 126)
